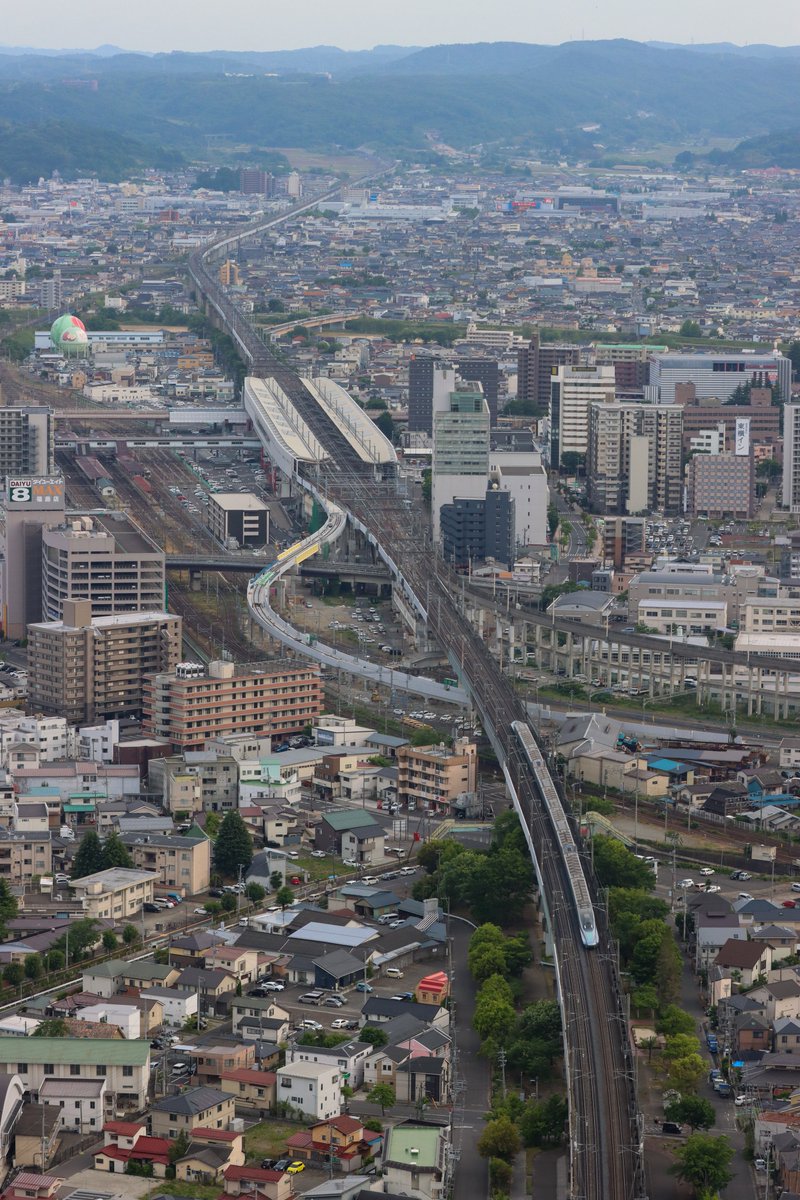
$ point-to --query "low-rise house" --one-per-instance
(353, 834)
(209, 1154)
(210, 986)
(423, 1078)
(201, 1106)
(343, 1139)
(259, 1018)
(749, 959)
(128, 1142)
(786, 1035)
(125, 1017)
(377, 1010)
(250, 1088)
(212, 1061)
(177, 1007)
(414, 1160)
(312, 1088)
(37, 1135)
(238, 961)
(271, 1185)
(82, 1102)
(750, 1033)
(348, 1057)
(433, 989)
(27, 1186)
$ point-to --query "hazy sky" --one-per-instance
(358, 24)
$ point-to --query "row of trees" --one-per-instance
(93, 855)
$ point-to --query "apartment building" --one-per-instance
(634, 458)
(536, 366)
(573, 390)
(191, 704)
(23, 855)
(424, 374)
(107, 560)
(241, 516)
(200, 780)
(791, 457)
(721, 485)
(436, 775)
(771, 615)
(125, 1065)
(88, 669)
(623, 538)
(180, 863)
(27, 444)
(115, 894)
(684, 618)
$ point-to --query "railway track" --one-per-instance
(605, 1150)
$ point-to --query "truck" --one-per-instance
(712, 1043)
(722, 1088)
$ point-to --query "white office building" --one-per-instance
(717, 375)
(572, 391)
(791, 457)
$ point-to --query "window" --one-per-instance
(75, 1069)
(127, 1072)
(48, 1069)
(100, 1071)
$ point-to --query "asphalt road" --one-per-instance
(472, 1077)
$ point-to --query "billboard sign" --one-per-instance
(742, 436)
(35, 490)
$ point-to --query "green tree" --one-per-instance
(679, 1045)
(276, 880)
(385, 423)
(228, 903)
(543, 1122)
(694, 1111)
(212, 824)
(616, 867)
(33, 967)
(685, 1073)
(542, 1020)
(375, 1036)
(82, 937)
(13, 974)
(8, 903)
(669, 969)
(690, 329)
(427, 485)
(494, 1015)
(115, 853)
(703, 1161)
(255, 893)
(499, 1139)
(130, 935)
(109, 940)
(486, 960)
(674, 1020)
(285, 897)
(53, 1027)
(234, 846)
(178, 1146)
(89, 857)
(55, 960)
(552, 520)
(383, 1094)
(645, 999)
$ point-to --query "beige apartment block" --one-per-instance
(23, 855)
(116, 894)
(181, 863)
(436, 775)
(88, 669)
(192, 704)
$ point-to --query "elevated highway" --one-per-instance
(605, 1135)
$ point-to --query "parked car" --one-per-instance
(363, 987)
(334, 1001)
(672, 1128)
(685, 884)
(706, 870)
(309, 1024)
(273, 985)
(340, 1023)
(296, 1167)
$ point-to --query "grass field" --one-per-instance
(266, 1140)
(303, 160)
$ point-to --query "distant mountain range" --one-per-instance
(581, 100)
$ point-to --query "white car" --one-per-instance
(686, 883)
(273, 985)
(711, 887)
(200, 912)
(317, 853)
(706, 870)
(741, 1099)
(292, 854)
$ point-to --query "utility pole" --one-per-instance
(501, 1058)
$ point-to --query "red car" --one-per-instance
(296, 880)
(789, 904)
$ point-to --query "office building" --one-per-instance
(634, 459)
(703, 416)
(572, 391)
(190, 704)
(721, 486)
(460, 449)
(26, 441)
(29, 505)
(791, 456)
(116, 894)
(107, 560)
(623, 538)
(238, 516)
(718, 375)
(536, 365)
(631, 364)
(88, 669)
(426, 373)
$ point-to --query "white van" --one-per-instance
(393, 973)
(796, 887)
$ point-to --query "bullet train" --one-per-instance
(555, 810)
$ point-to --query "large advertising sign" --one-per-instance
(36, 490)
(742, 436)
